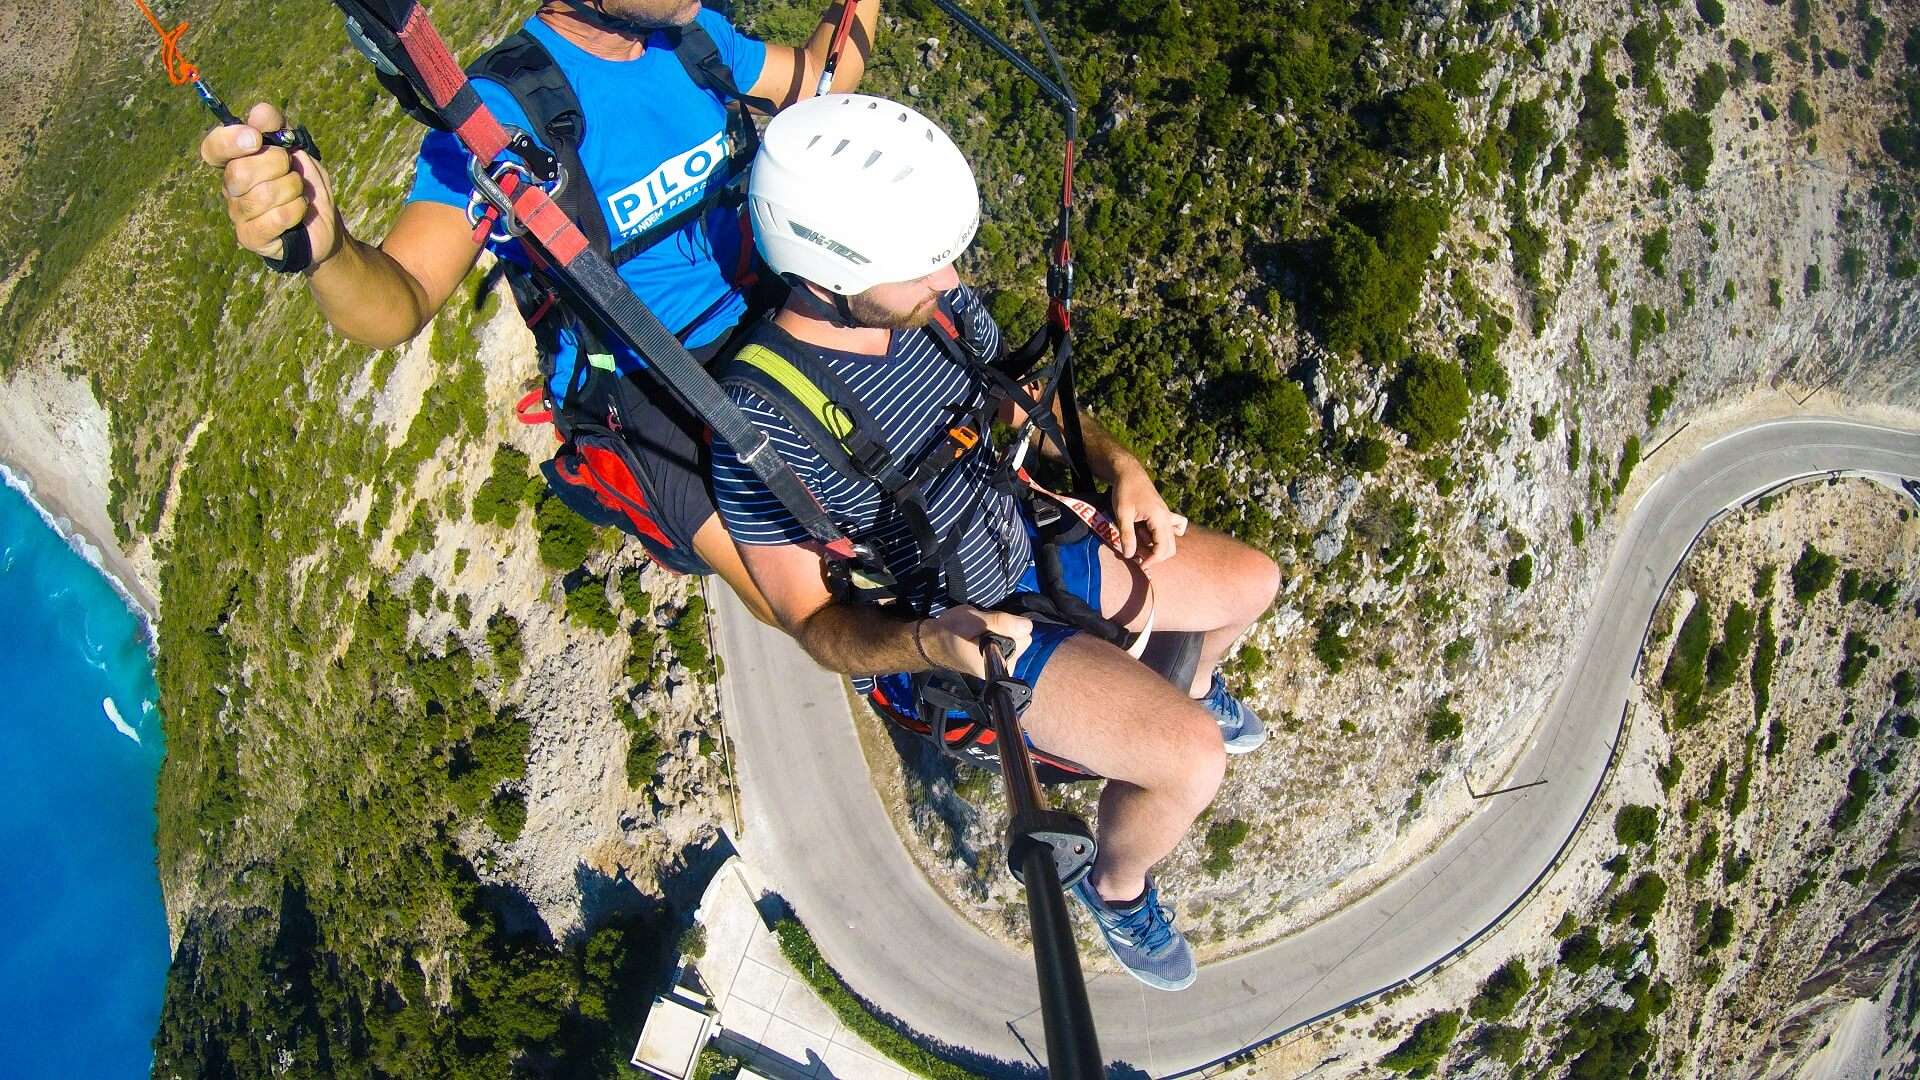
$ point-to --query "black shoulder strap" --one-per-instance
(697, 52)
(814, 400)
(527, 70)
(789, 375)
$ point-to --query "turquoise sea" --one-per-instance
(84, 954)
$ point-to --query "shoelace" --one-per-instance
(1223, 704)
(1149, 926)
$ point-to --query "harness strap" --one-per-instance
(401, 34)
(824, 411)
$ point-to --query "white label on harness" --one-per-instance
(676, 182)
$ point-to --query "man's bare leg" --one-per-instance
(1214, 584)
(1160, 751)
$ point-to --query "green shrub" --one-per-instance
(1727, 654)
(1800, 109)
(1689, 134)
(1629, 459)
(1503, 1043)
(1636, 824)
(1720, 928)
(1854, 657)
(1501, 992)
(1764, 652)
(1684, 677)
(565, 537)
(633, 593)
(1600, 132)
(1711, 12)
(1276, 419)
(1528, 135)
(1903, 687)
(1640, 901)
(1705, 856)
(1465, 71)
(645, 751)
(1812, 572)
(1443, 723)
(1659, 400)
(1520, 572)
(1367, 454)
(1654, 247)
(1428, 1044)
(1642, 45)
(798, 947)
(1375, 271)
(1580, 952)
(1222, 838)
(714, 1065)
(1420, 122)
(1859, 790)
(507, 813)
(1430, 402)
(498, 499)
(1480, 361)
(1329, 646)
(587, 605)
(503, 641)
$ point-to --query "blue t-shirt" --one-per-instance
(914, 393)
(654, 141)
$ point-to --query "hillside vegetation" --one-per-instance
(1317, 234)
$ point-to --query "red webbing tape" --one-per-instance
(545, 221)
(444, 78)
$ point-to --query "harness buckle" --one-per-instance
(964, 437)
(490, 199)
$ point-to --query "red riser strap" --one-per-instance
(452, 93)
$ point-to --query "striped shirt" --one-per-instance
(912, 393)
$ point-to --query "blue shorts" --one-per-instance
(1080, 573)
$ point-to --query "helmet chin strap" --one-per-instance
(836, 311)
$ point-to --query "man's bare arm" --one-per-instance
(864, 639)
(791, 74)
(379, 296)
(384, 296)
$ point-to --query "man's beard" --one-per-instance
(868, 313)
(649, 19)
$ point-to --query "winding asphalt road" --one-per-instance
(816, 828)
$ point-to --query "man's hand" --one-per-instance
(270, 190)
(953, 638)
(1136, 500)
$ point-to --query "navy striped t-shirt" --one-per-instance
(912, 393)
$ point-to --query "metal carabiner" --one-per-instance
(487, 192)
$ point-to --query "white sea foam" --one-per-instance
(85, 548)
(113, 714)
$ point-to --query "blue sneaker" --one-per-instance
(1143, 940)
(1239, 725)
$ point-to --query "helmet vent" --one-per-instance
(871, 158)
(844, 143)
(903, 174)
(811, 142)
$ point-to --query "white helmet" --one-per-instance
(851, 191)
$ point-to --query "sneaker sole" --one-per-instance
(1239, 746)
